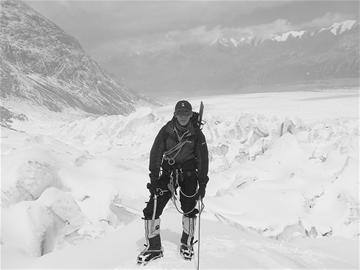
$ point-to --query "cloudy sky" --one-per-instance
(105, 28)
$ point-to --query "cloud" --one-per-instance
(265, 31)
(326, 20)
(94, 22)
(197, 36)
(204, 35)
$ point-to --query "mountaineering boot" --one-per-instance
(187, 238)
(153, 248)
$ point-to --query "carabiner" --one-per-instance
(160, 193)
(171, 161)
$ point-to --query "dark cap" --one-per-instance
(183, 107)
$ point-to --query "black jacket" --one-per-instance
(196, 150)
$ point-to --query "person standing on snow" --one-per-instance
(178, 157)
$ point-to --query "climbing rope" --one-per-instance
(172, 187)
(201, 206)
(171, 154)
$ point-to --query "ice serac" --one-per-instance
(42, 64)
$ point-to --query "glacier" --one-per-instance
(283, 188)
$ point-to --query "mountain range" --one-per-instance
(236, 61)
(43, 65)
(229, 40)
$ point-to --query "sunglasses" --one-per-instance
(183, 113)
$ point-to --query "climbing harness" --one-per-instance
(173, 184)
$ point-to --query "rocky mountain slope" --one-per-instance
(43, 65)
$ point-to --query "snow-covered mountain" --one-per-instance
(341, 27)
(285, 36)
(229, 40)
(42, 64)
(233, 60)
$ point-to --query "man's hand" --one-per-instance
(201, 190)
(153, 185)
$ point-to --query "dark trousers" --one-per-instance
(187, 180)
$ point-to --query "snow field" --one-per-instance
(283, 172)
(228, 248)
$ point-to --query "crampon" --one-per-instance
(187, 252)
(149, 255)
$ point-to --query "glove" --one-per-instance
(153, 185)
(201, 191)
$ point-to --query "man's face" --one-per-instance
(183, 117)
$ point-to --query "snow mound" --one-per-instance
(38, 227)
(29, 226)
(64, 207)
(106, 132)
(303, 173)
(28, 174)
